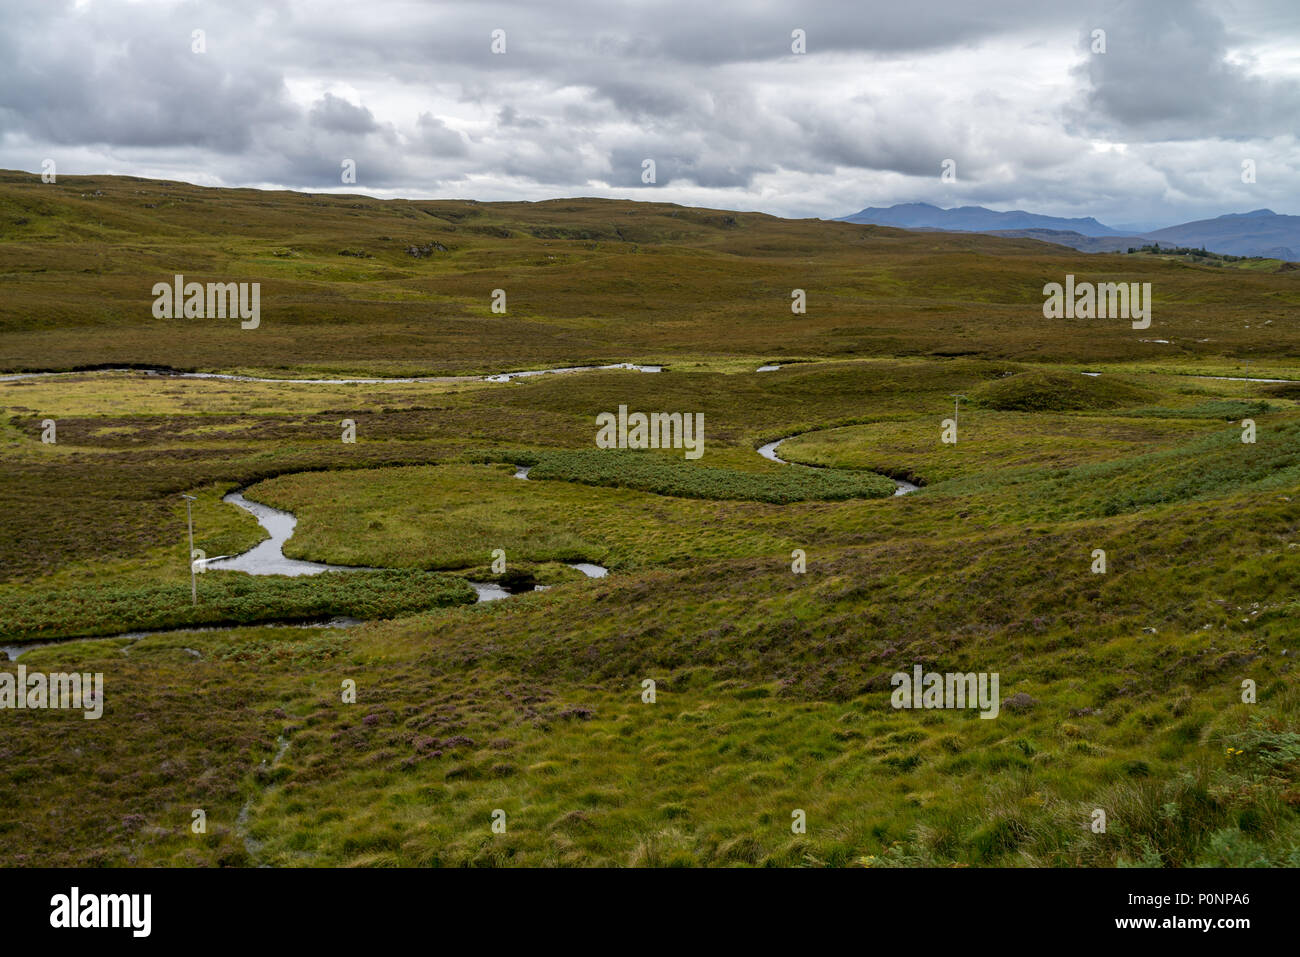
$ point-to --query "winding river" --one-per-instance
(452, 379)
(768, 451)
(268, 558)
(229, 377)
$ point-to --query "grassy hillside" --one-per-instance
(586, 281)
(1120, 690)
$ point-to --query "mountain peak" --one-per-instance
(972, 219)
(1260, 232)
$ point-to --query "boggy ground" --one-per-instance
(772, 688)
(1120, 691)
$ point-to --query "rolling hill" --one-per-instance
(1259, 233)
(347, 285)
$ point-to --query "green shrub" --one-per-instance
(226, 598)
(649, 472)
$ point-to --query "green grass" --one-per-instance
(1214, 409)
(228, 598)
(989, 443)
(588, 281)
(1056, 392)
(665, 475)
(772, 686)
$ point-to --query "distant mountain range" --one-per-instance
(1258, 233)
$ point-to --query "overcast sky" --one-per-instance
(1154, 130)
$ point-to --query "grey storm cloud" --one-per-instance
(1167, 72)
(509, 116)
(338, 115)
(286, 90)
(93, 82)
(436, 137)
(702, 167)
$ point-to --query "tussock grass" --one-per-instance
(1056, 392)
(228, 598)
(772, 687)
(666, 475)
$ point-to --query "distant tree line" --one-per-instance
(1201, 253)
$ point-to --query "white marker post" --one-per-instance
(189, 519)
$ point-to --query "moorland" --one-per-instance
(1122, 689)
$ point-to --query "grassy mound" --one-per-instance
(667, 476)
(226, 598)
(1039, 391)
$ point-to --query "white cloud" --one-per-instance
(1153, 129)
